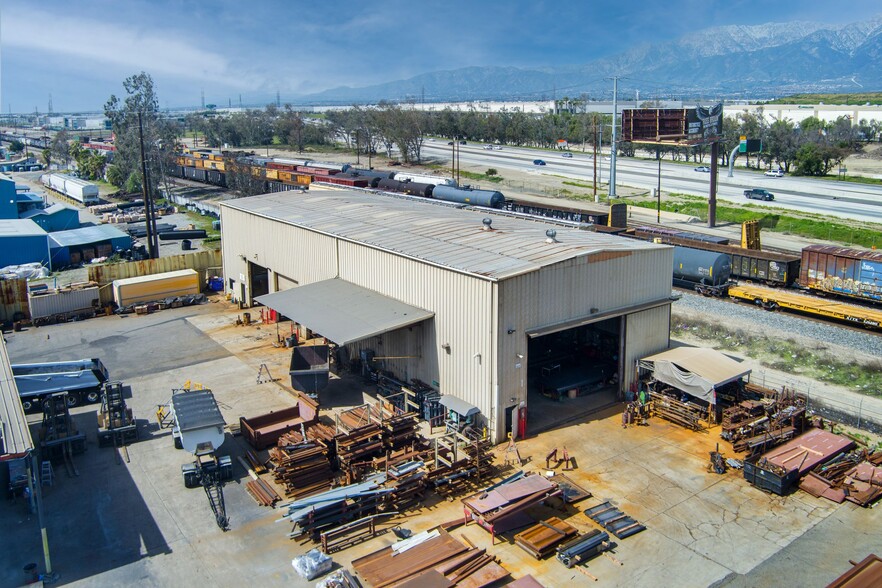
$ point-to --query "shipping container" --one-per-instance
(62, 301)
(155, 287)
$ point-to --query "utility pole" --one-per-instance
(145, 190)
(612, 147)
(596, 198)
(658, 189)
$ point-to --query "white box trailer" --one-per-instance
(156, 287)
(84, 192)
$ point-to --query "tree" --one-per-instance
(47, 157)
(60, 147)
(159, 134)
(16, 146)
(808, 161)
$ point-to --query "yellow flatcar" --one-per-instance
(772, 299)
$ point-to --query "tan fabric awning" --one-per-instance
(695, 370)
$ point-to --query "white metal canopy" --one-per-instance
(342, 311)
(695, 370)
(15, 436)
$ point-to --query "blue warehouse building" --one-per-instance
(8, 198)
(58, 217)
(22, 241)
(78, 246)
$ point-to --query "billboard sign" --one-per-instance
(680, 126)
(705, 123)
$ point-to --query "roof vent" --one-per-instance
(551, 234)
(487, 224)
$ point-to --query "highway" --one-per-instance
(844, 200)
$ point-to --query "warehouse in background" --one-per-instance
(82, 245)
(485, 307)
(22, 241)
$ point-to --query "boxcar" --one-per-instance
(841, 271)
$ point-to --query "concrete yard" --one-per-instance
(123, 523)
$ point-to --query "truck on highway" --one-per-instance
(82, 379)
(759, 194)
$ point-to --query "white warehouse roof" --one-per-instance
(447, 236)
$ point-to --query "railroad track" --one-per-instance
(821, 312)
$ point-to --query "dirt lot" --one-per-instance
(131, 522)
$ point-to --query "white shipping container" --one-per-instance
(62, 301)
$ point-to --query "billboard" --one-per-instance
(705, 123)
(673, 126)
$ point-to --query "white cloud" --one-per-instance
(76, 39)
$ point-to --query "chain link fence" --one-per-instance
(856, 410)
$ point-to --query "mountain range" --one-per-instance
(750, 62)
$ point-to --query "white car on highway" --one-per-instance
(775, 173)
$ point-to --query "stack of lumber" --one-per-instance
(673, 410)
(302, 468)
(429, 559)
(541, 539)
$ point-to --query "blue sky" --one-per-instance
(81, 50)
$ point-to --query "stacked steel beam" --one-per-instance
(429, 559)
(301, 466)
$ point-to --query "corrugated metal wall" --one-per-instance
(460, 304)
(14, 300)
(647, 332)
(569, 291)
(201, 261)
(297, 254)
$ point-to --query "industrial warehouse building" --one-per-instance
(485, 306)
(22, 241)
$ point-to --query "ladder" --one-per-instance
(512, 455)
(263, 375)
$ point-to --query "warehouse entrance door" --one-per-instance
(258, 279)
(573, 371)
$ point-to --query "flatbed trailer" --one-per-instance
(82, 379)
(772, 299)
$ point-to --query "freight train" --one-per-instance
(833, 271)
(821, 269)
(709, 272)
(278, 174)
(706, 272)
(86, 193)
